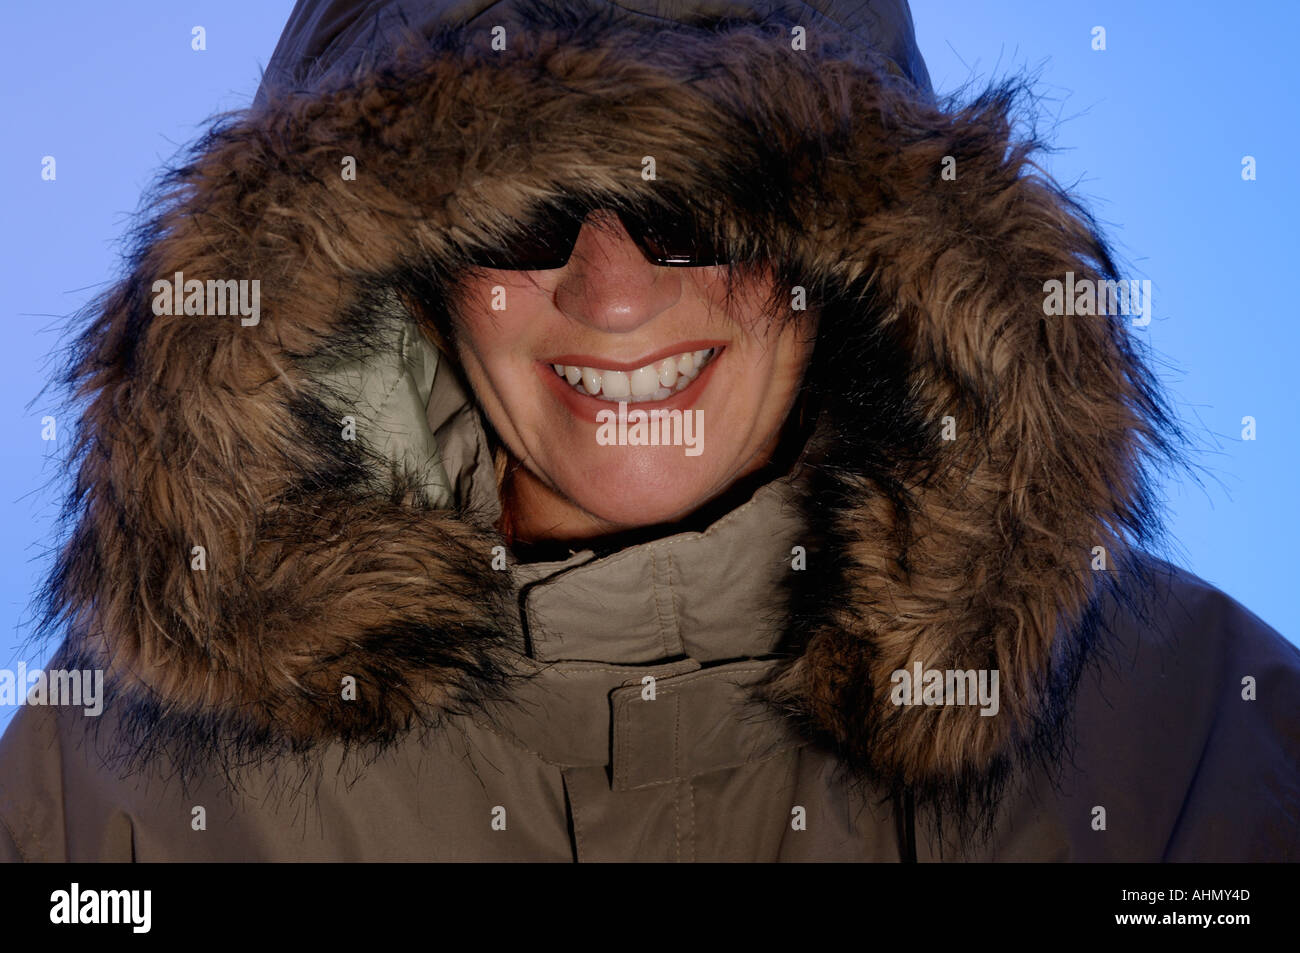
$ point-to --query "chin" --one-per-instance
(643, 487)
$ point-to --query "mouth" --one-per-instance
(655, 380)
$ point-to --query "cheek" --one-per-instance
(482, 342)
(490, 342)
(784, 362)
(777, 363)
(495, 310)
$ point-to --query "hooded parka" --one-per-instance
(280, 548)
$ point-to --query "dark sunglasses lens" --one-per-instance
(673, 237)
(668, 236)
(545, 241)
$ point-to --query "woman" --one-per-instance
(390, 566)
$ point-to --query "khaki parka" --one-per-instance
(934, 632)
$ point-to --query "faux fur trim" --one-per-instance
(971, 553)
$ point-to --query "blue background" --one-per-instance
(1151, 133)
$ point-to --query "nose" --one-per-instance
(608, 284)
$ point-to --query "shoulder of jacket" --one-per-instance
(1189, 714)
(31, 786)
(1197, 614)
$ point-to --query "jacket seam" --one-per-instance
(795, 744)
(488, 726)
(677, 736)
(18, 847)
(659, 614)
(398, 378)
(724, 767)
(621, 769)
(690, 812)
(559, 667)
(572, 807)
(680, 643)
(514, 741)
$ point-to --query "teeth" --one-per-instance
(644, 381)
(657, 381)
(614, 385)
(668, 373)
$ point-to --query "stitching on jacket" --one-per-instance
(676, 818)
(619, 776)
(573, 813)
(561, 667)
(510, 738)
(620, 769)
(677, 735)
(13, 838)
(779, 753)
(659, 615)
(679, 642)
(709, 673)
(676, 795)
(678, 805)
(690, 813)
(397, 381)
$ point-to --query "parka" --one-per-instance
(940, 632)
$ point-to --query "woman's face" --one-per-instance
(628, 336)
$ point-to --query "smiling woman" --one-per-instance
(366, 579)
(621, 328)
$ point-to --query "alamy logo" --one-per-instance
(215, 297)
(935, 686)
(1088, 297)
(651, 428)
(75, 905)
(76, 688)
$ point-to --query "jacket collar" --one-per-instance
(711, 595)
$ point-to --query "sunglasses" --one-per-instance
(669, 237)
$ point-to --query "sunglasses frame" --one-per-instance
(555, 227)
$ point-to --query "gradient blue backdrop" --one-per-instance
(1151, 132)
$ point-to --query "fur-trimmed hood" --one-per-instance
(230, 558)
